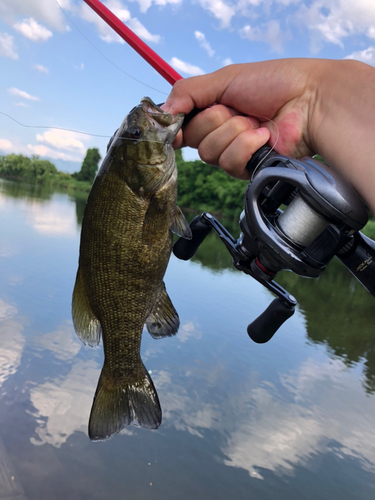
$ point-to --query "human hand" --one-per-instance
(318, 105)
(247, 97)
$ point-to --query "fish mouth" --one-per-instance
(160, 118)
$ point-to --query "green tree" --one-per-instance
(89, 166)
(204, 187)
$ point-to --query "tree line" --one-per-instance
(36, 170)
(201, 187)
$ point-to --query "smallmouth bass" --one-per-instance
(126, 242)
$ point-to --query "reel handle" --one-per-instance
(264, 327)
(185, 249)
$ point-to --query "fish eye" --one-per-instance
(135, 133)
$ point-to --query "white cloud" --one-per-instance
(146, 4)
(54, 144)
(187, 68)
(81, 67)
(23, 94)
(367, 56)
(5, 145)
(142, 32)
(220, 10)
(32, 30)
(40, 150)
(227, 61)
(41, 10)
(41, 68)
(21, 104)
(203, 43)
(271, 34)
(62, 139)
(106, 33)
(7, 47)
(331, 21)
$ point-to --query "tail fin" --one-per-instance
(116, 406)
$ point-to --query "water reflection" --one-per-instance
(15, 189)
(289, 419)
(11, 341)
(340, 314)
(62, 405)
(313, 418)
(279, 432)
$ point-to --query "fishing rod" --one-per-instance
(298, 215)
(149, 55)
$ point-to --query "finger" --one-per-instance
(205, 123)
(200, 91)
(236, 156)
(214, 144)
(178, 141)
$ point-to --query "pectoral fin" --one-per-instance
(86, 325)
(180, 225)
(164, 320)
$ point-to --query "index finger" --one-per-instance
(200, 91)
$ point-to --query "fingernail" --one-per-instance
(263, 132)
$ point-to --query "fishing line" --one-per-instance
(80, 132)
(105, 57)
(58, 128)
(272, 148)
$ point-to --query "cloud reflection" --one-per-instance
(11, 341)
(63, 404)
(63, 342)
(322, 408)
(56, 219)
(324, 403)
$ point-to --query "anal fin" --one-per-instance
(86, 324)
(163, 320)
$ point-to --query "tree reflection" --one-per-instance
(17, 189)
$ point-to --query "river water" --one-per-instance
(293, 418)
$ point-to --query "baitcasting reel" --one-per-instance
(298, 214)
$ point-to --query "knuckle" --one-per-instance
(217, 115)
(228, 163)
(207, 154)
(179, 87)
(240, 124)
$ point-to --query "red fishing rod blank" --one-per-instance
(161, 66)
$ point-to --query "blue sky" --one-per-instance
(52, 76)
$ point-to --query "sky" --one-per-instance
(68, 69)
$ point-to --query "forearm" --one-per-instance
(342, 123)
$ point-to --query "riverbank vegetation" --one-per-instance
(201, 187)
(44, 172)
